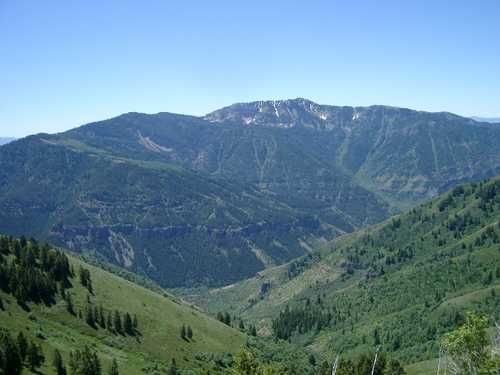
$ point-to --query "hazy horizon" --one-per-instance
(489, 119)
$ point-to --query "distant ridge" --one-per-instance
(486, 119)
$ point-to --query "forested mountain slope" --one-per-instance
(111, 188)
(209, 201)
(401, 284)
(402, 154)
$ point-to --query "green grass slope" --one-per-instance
(160, 318)
(401, 284)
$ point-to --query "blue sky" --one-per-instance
(65, 63)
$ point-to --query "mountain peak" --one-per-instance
(290, 113)
(304, 113)
(280, 113)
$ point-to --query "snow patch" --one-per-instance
(275, 110)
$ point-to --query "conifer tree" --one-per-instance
(253, 331)
(85, 279)
(11, 361)
(22, 345)
(127, 324)
(183, 332)
(85, 362)
(117, 322)
(114, 368)
(220, 317)
(89, 316)
(102, 319)
(58, 364)
(312, 360)
(35, 357)
(172, 370)
(227, 318)
(189, 332)
(109, 322)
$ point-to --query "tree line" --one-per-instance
(32, 273)
(18, 353)
(225, 317)
(247, 362)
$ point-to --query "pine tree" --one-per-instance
(135, 324)
(22, 345)
(85, 362)
(376, 337)
(83, 276)
(102, 319)
(227, 319)
(109, 322)
(89, 316)
(85, 279)
(172, 370)
(114, 368)
(12, 363)
(312, 360)
(89, 286)
(69, 304)
(117, 322)
(58, 363)
(127, 324)
(189, 332)
(183, 332)
(253, 331)
(35, 356)
(220, 317)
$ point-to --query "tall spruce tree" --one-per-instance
(11, 361)
(35, 357)
(109, 322)
(22, 345)
(127, 324)
(58, 364)
(117, 322)
(172, 369)
(113, 370)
